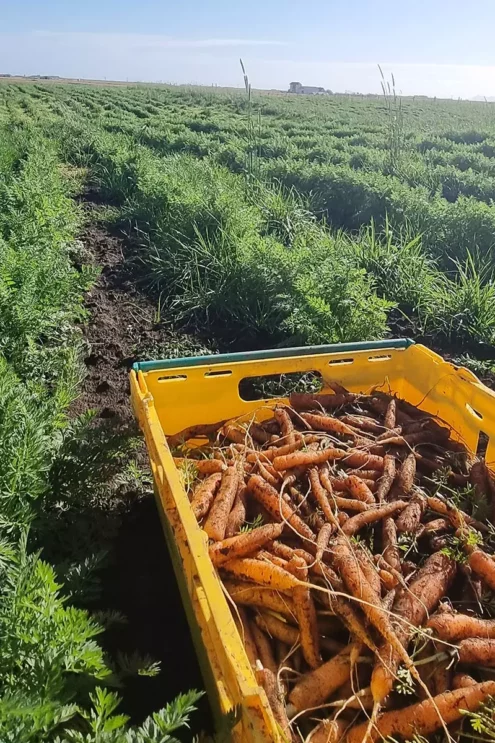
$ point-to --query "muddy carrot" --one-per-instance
(216, 522)
(266, 474)
(308, 625)
(237, 516)
(452, 627)
(263, 648)
(204, 495)
(391, 552)
(386, 481)
(424, 718)
(318, 685)
(268, 680)
(410, 518)
(390, 414)
(363, 422)
(247, 594)
(361, 459)
(321, 497)
(413, 605)
(372, 515)
(322, 540)
(306, 401)
(277, 629)
(298, 567)
(243, 544)
(478, 651)
(483, 565)
(276, 506)
(405, 480)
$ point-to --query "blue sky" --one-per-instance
(440, 47)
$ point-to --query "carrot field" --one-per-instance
(149, 222)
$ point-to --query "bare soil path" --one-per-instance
(139, 581)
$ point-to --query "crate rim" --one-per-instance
(273, 353)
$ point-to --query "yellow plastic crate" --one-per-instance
(171, 395)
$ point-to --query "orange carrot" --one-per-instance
(286, 426)
(203, 466)
(483, 565)
(365, 474)
(462, 680)
(269, 455)
(263, 573)
(216, 522)
(371, 515)
(348, 504)
(247, 594)
(424, 718)
(204, 495)
(276, 506)
(357, 458)
(328, 424)
(452, 627)
(358, 489)
(339, 484)
(307, 458)
(243, 544)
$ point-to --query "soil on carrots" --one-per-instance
(138, 580)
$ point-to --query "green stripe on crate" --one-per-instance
(273, 353)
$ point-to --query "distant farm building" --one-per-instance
(306, 89)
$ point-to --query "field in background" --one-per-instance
(223, 220)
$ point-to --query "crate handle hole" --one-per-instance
(383, 357)
(219, 373)
(173, 378)
(335, 362)
(482, 446)
(265, 387)
(474, 412)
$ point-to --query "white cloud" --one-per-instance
(150, 40)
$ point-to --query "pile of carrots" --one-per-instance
(353, 538)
